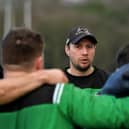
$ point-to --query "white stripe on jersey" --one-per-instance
(58, 92)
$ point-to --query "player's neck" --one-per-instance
(17, 73)
(76, 72)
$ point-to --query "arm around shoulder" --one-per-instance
(13, 88)
(89, 110)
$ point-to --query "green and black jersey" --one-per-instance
(33, 111)
(62, 106)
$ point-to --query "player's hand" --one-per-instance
(52, 76)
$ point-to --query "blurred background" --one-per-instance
(108, 20)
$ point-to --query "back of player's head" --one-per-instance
(123, 56)
(21, 46)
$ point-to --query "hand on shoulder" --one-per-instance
(52, 76)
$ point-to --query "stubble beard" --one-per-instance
(82, 69)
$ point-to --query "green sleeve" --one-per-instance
(89, 110)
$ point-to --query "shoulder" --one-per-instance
(62, 90)
(101, 72)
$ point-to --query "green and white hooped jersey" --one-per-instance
(58, 93)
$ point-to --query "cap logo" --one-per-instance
(67, 41)
(82, 30)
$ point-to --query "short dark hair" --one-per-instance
(123, 56)
(21, 45)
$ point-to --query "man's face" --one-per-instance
(81, 55)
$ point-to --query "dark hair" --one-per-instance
(21, 45)
(123, 56)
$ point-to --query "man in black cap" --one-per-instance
(80, 48)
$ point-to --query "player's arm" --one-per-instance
(88, 110)
(53, 76)
(13, 88)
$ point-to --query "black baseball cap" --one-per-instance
(79, 33)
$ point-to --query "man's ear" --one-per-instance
(39, 63)
(67, 50)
